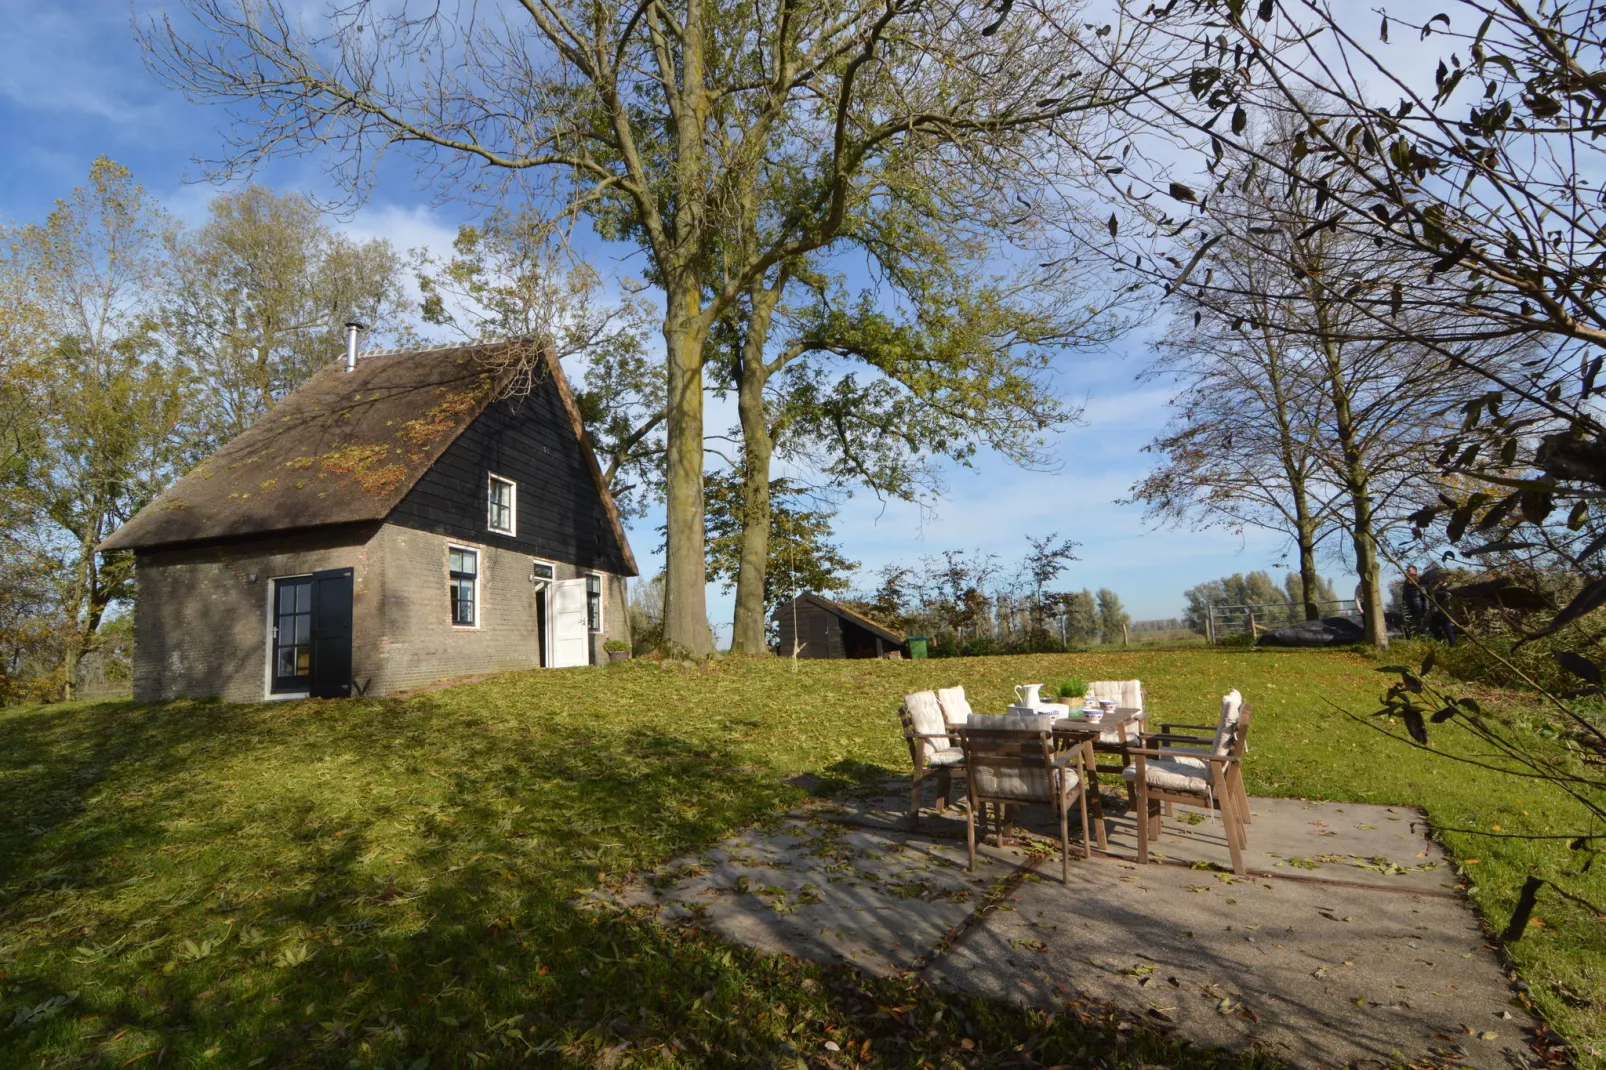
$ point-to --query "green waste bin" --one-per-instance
(917, 646)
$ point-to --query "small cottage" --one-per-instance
(401, 518)
(823, 629)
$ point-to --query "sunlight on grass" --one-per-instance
(368, 882)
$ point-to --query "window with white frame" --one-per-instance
(462, 581)
(594, 601)
(501, 506)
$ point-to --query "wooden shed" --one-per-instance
(828, 630)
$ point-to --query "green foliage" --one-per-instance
(1081, 617)
(1113, 617)
(1294, 590)
(97, 418)
(260, 297)
(802, 558)
(417, 871)
(1071, 687)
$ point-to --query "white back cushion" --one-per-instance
(1127, 694)
(955, 707)
(926, 716)
(1231, 705)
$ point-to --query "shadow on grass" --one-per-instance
(316, 883)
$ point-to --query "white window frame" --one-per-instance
(479, 605)
(602, 601)
(512, 505)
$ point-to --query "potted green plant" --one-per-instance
(617, 650)
(1071, 691)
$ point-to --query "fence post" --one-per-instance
(1126, 640)
(1210, 623)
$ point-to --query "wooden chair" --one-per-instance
(956, 709)
(1012, 761)
(1173, 769)
(1189, 746)
(931, 751)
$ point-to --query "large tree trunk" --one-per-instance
(1357, 484)
(1305, 535)
(678, 251)
(88, 608)
(685, 565)
(1366, 567)
(1295, 468)
(758, 446)
(747, 627)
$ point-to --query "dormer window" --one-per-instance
(501, 510)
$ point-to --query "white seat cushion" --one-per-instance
(947, 756)
(1172, 775)
(955, 707)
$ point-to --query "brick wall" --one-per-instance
(201, 623)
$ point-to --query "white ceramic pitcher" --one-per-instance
(1029, 695)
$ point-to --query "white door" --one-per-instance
(570, 639)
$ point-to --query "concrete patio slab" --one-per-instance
(1316, 975)
(1346, 944)
(827, 890)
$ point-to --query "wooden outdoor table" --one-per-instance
(1078, 731)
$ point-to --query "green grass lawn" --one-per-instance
(400, 883)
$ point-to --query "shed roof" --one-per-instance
(343, 448)
(846, 614)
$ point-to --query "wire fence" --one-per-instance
(1224, 620)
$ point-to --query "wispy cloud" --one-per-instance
(78, 58)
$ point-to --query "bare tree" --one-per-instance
(1242, 448)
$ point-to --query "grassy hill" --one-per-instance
(384, 881)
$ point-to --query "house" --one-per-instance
(828, 630)
(401, 518)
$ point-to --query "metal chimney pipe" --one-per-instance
(352, 328)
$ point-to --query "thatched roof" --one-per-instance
(344, 448)
(839, 610)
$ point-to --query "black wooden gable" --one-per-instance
(530, 439)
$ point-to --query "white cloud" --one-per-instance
(407, 227)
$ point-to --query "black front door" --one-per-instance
(312, 634)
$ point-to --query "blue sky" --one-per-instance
(72, 87)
